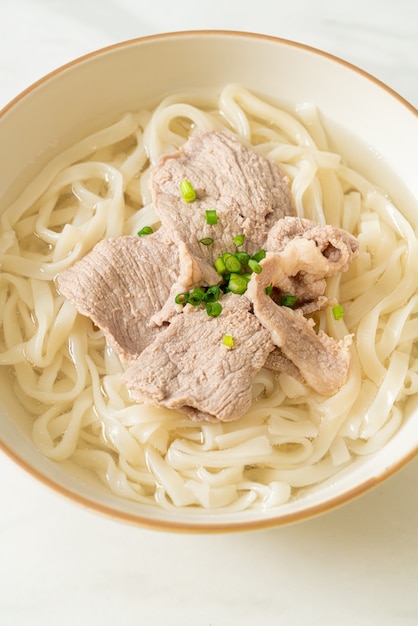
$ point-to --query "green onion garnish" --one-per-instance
(200, 296)
(211, 216)
(288, 300)
(147, 230)
(228, 341)
(213, 309)
(212, 294)
(269, 289)
(338, 312)
(181, 298)
(231, 262)
(261, 254)
(238, 240)
(187, 191)
(196, 296)
(206, 241)
(243, 257)
(254, 266)
(237, 283)
(220, 266)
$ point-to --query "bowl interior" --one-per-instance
(373, 127)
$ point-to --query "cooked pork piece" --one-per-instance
(175, 354)
(278, 362)
(308, 253)
(192, 272)
(322, 361)
(336, 245)
(120, 284)
(188, 368)
(248, 192)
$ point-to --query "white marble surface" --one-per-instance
(62, 565)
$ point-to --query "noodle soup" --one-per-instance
(292, 438)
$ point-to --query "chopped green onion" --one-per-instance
(231, 263)
(243, 257)
(237, 283)
(254, 266)
(181, 298)
(187, 191)
(261, 254)
(206, 241)
(220, 266)
(213, 309)
(196, 296)
(211, 216)
(147, 230)
(288, 300)
(228, 341)
(238, 240)
(338, 312)
(212, 294)
(269, 289)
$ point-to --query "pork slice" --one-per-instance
(248, 192)
(120, 284)
(188, 368)
(278, 362)
(322, 361)
(308, 253)
(192, 272)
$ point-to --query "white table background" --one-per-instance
(62, 565)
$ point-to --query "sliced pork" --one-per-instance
(120, 284)
(192, 272)
(188, 368)
(278, 362)
(322, 361)
(175, 355)
(307, 254)
(248, 192)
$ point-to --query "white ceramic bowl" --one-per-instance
(84, 95)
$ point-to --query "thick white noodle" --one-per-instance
(291, 438)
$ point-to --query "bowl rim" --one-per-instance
(215, 527)
(197, 526)
(212, 33)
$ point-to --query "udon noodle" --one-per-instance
(69, 380)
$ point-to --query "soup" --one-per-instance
(70, 380)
